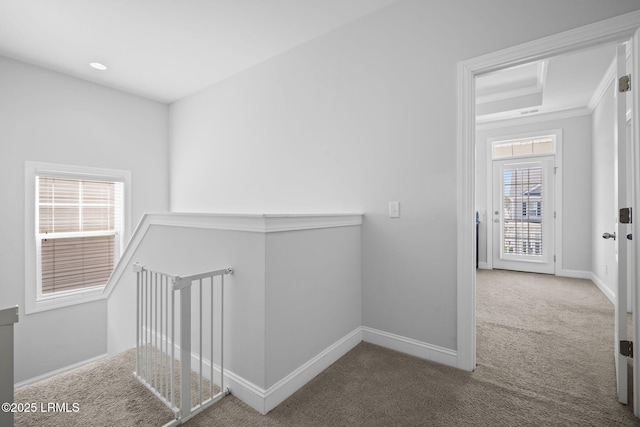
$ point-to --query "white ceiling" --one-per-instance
(165, 49)
(563, 83)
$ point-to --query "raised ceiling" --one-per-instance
(567, 83)
(165, 49)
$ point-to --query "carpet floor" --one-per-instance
(544, 358)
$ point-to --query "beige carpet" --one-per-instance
(544, 359)
(107, 394)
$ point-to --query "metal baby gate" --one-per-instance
(177, 328)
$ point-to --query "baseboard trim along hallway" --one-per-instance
(264, 401)
(60, 371)
(410, 346)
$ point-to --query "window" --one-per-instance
(79, 224)
(77, 230)
(522, 235)
(538, 146)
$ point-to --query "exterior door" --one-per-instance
(523, 214)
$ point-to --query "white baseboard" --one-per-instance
(588, 275)
(410, 346)
(263, 400)
(246, 391)
(59, 371)
(576, 274)
(603, 288)
(284, 388)
(483, 265)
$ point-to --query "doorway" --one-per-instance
(521, 179)
(523, 208)
(617, 29)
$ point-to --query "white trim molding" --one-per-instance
(608, 78)
(575, 274)
(466, 248)
(534, 118)
(263, 400)
(410, 346)
(9, 315)
(284, 388)
(255, 223)
(60, 371)
(603, 288)
(616, 29)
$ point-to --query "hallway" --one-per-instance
(549, 338)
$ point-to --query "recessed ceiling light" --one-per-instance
(98, 66)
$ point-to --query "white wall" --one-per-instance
(313, 295)
(604, 264)
(186, 251)
(356, 118)
(576, 187)
(54, 118)
(291, 308)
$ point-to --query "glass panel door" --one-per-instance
(523, 215)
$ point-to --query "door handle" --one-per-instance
(496, 220)
(609, 235)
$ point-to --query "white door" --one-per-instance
(523, 214)
(622, 200)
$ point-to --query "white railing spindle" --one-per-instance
(200, 344)
(211, 345)
(185, 348)
(173, 348)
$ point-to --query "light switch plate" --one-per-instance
(394, 209)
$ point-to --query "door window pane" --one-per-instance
(522, 210)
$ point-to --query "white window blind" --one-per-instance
(538, 146)
(522, 205)
(79, 223)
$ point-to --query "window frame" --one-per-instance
(35, 301)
